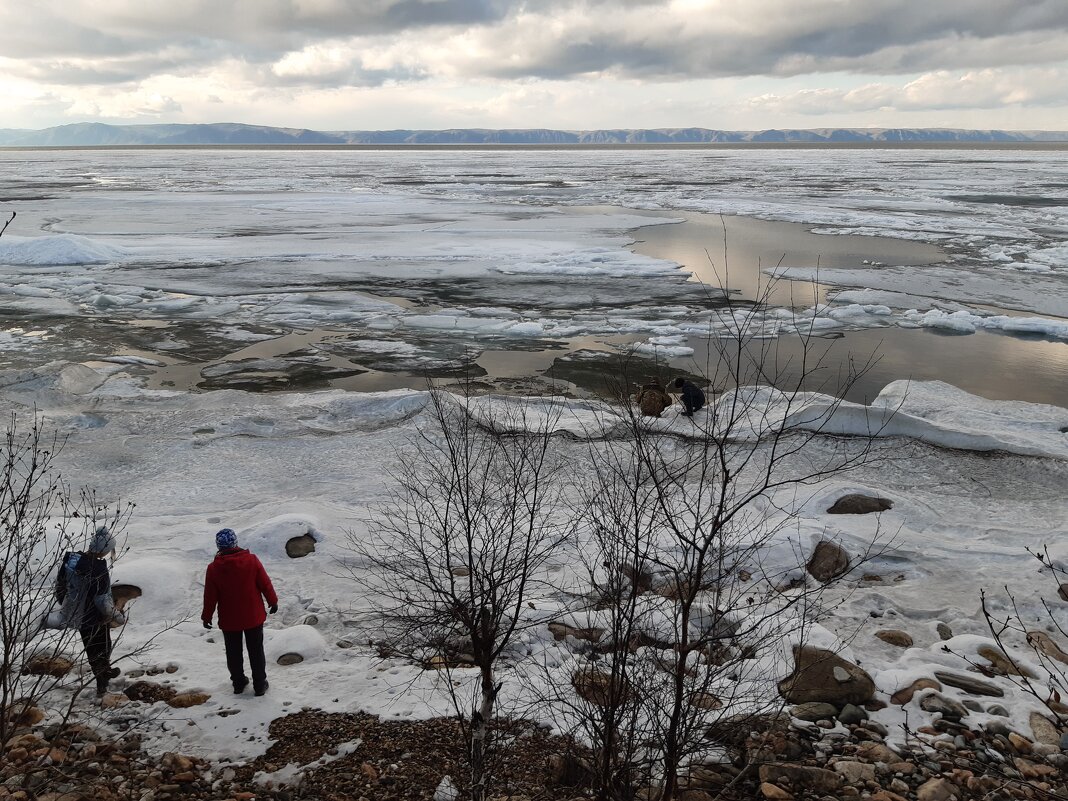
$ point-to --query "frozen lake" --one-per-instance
(193, 270)
(264, 269)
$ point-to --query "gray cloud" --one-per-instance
(104, 42)
(775, 38)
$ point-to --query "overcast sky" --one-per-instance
(574, 64)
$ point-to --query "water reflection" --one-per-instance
(738, 252)
(990, 364)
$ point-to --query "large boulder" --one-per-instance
(1043, 729)
(1003, 664)
(596, 687)
(828, 562)
(821, 675)
(122, 594)
(858, 504)
(1045, 645)
(298, 547)
(895, 637)
(969, 684)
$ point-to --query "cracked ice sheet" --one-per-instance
(294, 240)
(1043, 294)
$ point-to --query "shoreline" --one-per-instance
(1034, 146)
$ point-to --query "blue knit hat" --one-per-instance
(226, 539)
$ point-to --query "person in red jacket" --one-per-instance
(237, 583)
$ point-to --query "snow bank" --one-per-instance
(930, 411)
(56, 251)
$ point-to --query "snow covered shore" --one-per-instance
(973, 483)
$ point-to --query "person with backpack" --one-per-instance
(652, 399)
(237, 584)
(83, 590)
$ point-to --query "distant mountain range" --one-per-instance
(89, 134)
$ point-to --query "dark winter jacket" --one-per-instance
(237, 583)
(83, 589)
(692, 398)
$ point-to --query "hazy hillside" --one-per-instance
(100, 134)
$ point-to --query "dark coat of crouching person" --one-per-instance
(83, 590)
(237, 584)
(692, 398)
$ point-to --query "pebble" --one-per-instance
(814, 711)
(876, 726)
(944, 631)
(1021, 744)
(996, 727)
(852, 714)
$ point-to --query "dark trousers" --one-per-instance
(97, 642)
(257, 662)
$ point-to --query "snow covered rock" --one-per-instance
(595, 687)
(828, 562)
(904, 695)
(272, 538)
(969, 684)
(895, 637)
(302, 641)
(858, 504)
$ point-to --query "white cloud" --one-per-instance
(523, 62)
(941, 90)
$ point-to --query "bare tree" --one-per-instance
(683, 524)
(460, 545)
(41, 519)
(1040, 635)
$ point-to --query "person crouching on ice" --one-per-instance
(237, 583)
(83, 589)
(692, 398)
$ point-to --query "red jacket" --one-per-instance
(235, 582)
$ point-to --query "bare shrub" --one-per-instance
(42, 671)
(699, 578)
(460, 545)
